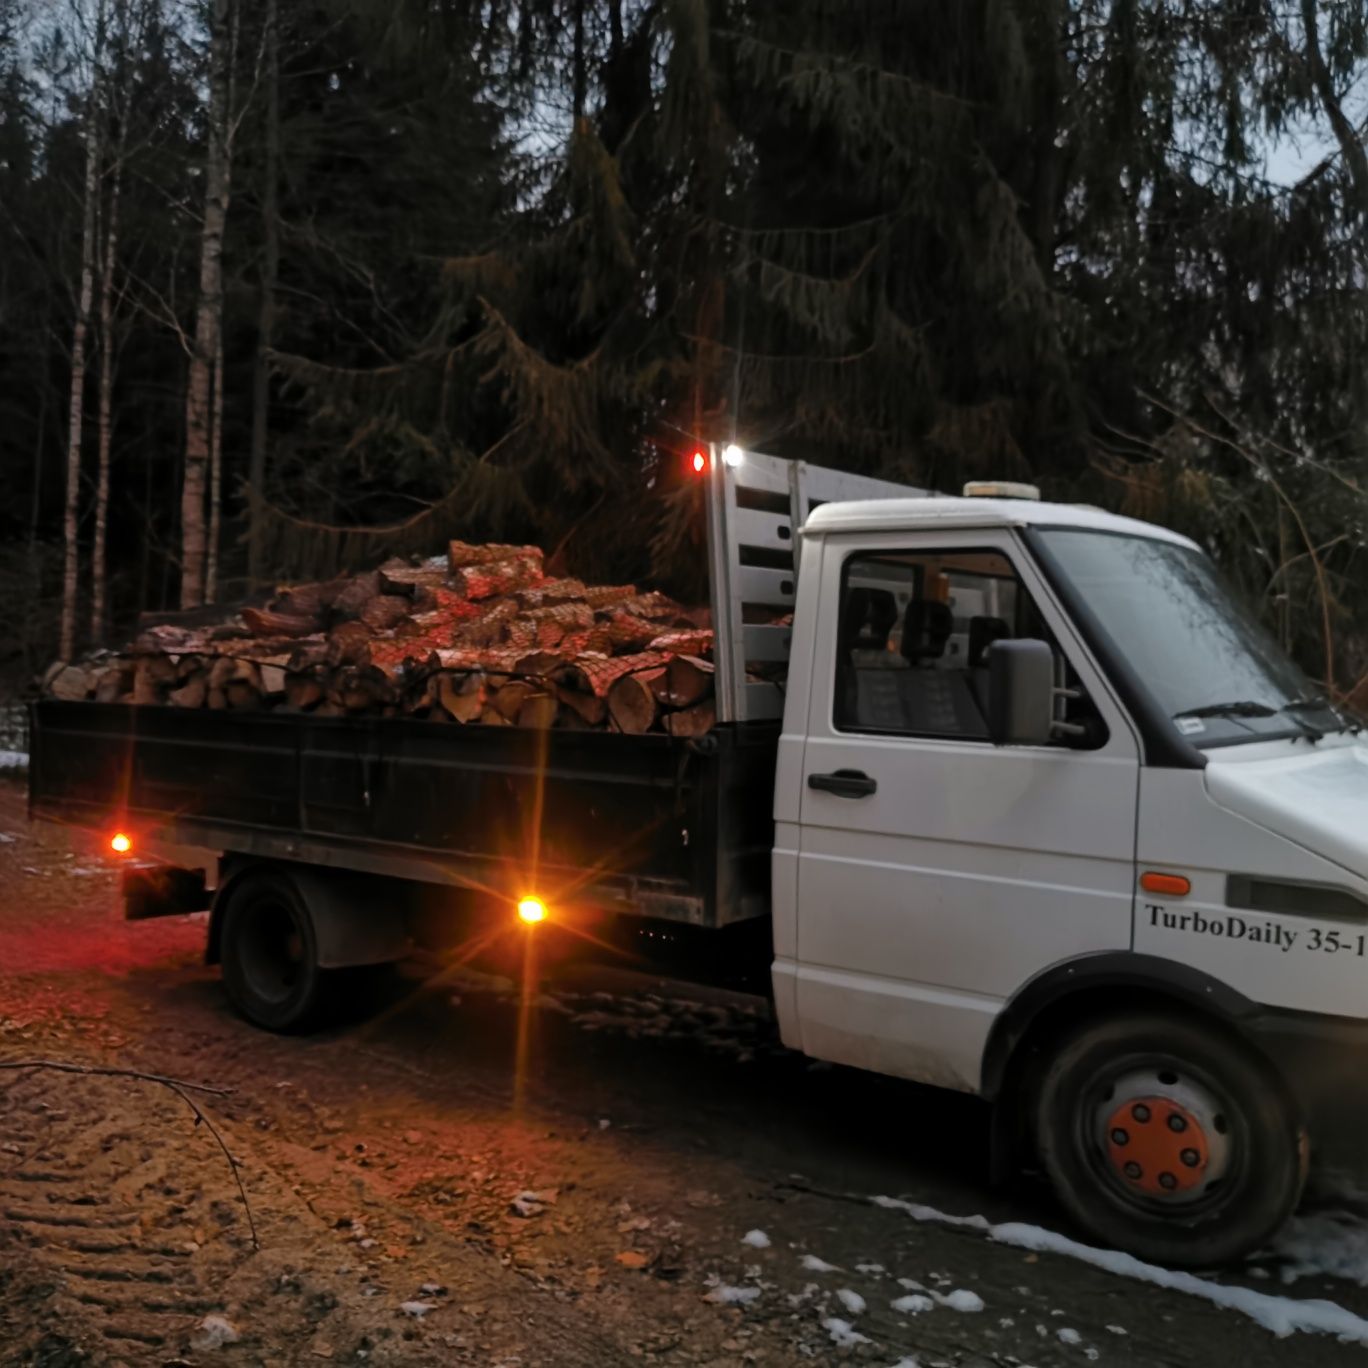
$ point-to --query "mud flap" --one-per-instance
(162, 891)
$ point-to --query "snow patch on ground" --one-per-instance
(852, 1301)
(757, 1239)
(1333, 1243)
(924, 1298)
(732, 1296)
(962, 1300)
(913, 1304)
(13, 760)
(815, 1265)
(842, 1333)
(1281, 1316)
(1067, 1336)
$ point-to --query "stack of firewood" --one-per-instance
(482, 635)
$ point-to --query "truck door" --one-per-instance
(938, 872)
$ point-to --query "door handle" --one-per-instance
(844, 783)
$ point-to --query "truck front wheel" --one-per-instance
(1167, 1138)
(270, 953)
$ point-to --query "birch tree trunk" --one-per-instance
(270, 270)
(215, 477)
(80, 329)
(208, 316)
(105, 421)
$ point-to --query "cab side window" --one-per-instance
(916, 631)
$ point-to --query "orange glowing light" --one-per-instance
(120, 844)
(532, 910)
(700, 462)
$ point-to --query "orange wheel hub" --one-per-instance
(1157, 1146)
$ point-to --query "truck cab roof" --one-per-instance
(878, 515)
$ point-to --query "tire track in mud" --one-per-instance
(112, 1207)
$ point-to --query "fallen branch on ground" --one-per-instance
(181, 1087)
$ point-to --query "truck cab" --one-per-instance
(1058, 823)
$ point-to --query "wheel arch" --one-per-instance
(1109, 980)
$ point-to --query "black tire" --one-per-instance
(270, 954)
(1166, 1137)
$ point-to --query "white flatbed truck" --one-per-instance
(1038, 813)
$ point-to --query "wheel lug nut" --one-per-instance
(1177, 1124)
(1167, 1181)
(1191, 1158)
(1133, 1170)
(1120, 1137)
(1140, 1112)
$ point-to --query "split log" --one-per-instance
(589, 708)
(461, 699)
(509, 700)
(264, 622)
(145, 688)
(605, 595)
(551, 592)
(309, 601)
(217, 700)
(384, 612)
(221, 671)
(491, 578)
(398, 577)
(352, 601)
(632, 703)
(272, 678)
(539, 711)
(689, 680)
(163, 669)
(191, 694)
(72, 683)
(113, 682)
(695, 721)
(349, 644)
(461, 554)
(302, 692)
(492, 717)
(242, 695)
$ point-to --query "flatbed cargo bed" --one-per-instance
(652, 825)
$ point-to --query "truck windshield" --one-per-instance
(1206, 659)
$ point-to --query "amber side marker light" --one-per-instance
(1172, 885)
(120, 844)
(532, 910)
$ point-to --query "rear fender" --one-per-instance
(356, 920)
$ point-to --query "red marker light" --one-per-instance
(120, 844)
(700, 462)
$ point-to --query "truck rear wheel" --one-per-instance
(1164, 1137)
(270, 954)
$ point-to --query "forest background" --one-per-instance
(288, 286)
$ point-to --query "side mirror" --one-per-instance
(1021, 692)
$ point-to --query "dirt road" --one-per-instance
(604, 1176)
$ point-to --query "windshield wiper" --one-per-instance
(1319, 703)
(1239, 708)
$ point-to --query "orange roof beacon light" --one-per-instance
(532, 910)
(699, 462)
(1171, 885)
(120, 843)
